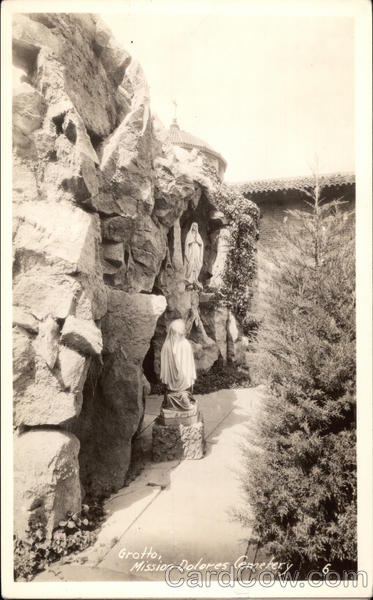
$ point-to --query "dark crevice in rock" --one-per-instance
(58, 122)
(157, 291)
(60, 323)
(25, 57)
(37, 503)
(52, 156)
(70, 132)
(120, 71)
(148, 365)
(96, 48)
(77, 187)
(109, 280)
(96, 140)
(170, 243)
(26, 428)
(86, 204)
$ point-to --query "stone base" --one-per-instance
(178, 441)
(179, 417)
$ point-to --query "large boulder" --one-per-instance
(28, 114)
(46, 478)
(29, 36)
(111, 412)
(25, 188)
(90, 86)
(47, 382)
(215, 320)
(43, 400)
(113, 408)
(119, 227)
(42, 292)
(129, 323)
(144, 248)
(61, 234)
(53, 241)
(147, 250)
(82, 335)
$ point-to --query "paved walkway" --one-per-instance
(175, 511)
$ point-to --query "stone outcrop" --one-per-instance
(102, 203)
(113, 406)
(46, 478)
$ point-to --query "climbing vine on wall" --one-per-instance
(240, 267)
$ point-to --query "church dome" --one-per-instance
(186, 140)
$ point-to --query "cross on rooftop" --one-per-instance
(174, 120)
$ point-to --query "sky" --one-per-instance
(272, 94)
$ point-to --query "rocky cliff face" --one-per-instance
(102, 204)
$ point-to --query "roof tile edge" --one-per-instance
(288, 183)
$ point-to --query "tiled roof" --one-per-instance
(295, 183)
(182, 138)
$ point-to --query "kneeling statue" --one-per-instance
(178, 431)
(178, 371)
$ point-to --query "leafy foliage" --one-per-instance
(33, 553)
(221, 377)
(300, 467)
(240, 267)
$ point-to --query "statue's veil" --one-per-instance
(178, 370)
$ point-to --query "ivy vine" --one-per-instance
(240, 267)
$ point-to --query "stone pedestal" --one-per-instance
(178, 436)
(179, 417)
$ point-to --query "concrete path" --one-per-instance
(175, 512)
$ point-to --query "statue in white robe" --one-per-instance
(193, 256)
(178, 371)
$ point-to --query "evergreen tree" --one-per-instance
(300, 473)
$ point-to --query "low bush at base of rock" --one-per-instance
(222, 377)
(219, 377)
(74, 534)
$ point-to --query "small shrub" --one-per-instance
(30, 554)
(34, 553)
(221, 377)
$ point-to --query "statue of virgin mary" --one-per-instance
(178, 371)
(193, 255)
